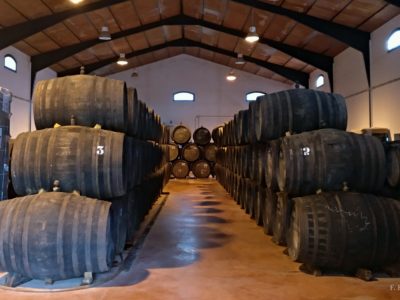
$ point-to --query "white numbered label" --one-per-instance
(306, 151)
(100, 150)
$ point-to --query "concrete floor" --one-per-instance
(203, 246)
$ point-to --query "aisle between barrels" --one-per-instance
(203, 246)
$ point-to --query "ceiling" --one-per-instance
(298, 36)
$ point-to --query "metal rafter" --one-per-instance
(12, 34)
(353, 37)
(394, 2)
(318, 60)
(294, 75)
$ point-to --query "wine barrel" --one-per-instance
(330, 160)
(202, 136)
(217, 135)
(180, 169)
(393, 165)
(243, 127)
(252, 117)
(191, 152)
(259, 203)
(5, 102)
(296, 111)
(272, 169)
(210, 152)
(89, 100)
(201, 169)
(181, 134)
(345, 231)
(119, 222)
(173, 152)
(133, 112)
(55, 236)
(282, 218)
(269, 211)
(89, 160)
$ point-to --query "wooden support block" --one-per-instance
(87, 278)
(364, 274)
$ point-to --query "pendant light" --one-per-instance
(252, 36)
(231, 76)
(105, 34)
(240, 60)
(122, 60)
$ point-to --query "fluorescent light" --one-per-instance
(122, 60)
(252, 36)
(105, 34)
(240, 60)
(231, 76)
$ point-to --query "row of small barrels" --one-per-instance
(181, 135)
(5, 102)
(274, 115)
(325, 159)
(57, 235)
(340, 231)
(95, 100)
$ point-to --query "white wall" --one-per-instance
(215, 96)
(19, 84)
(350, 80)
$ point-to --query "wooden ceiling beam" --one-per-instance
(352, 37)
(291, 74)
(12, 34)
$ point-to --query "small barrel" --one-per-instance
(331, 160)
(217, 134)
(173, 152)
(181, 134)
(88, 100)
(282, 218)
(202, 136)
(180, 169)
(55, 236)
(210, 152)
(296, 111)
(345, 231)
(201, 169)
(89, 160)
(191, 152)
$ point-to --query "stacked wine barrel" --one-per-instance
(5, 102)
(94, 140)
(313, 186)
(198, 157)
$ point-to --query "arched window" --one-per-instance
(320, 81)
(252, 96)
(10, 63)
(183, 96)
(393, 41)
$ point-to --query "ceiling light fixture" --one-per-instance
(76, 1)
(122, 60)
(105, 34)
(252, 36)
(231, 76)
(240, 60)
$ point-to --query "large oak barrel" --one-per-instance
(282, 218)
(5, 102)
(173, 152)
(119, 225)
(217, 135)
(202, 136)
(181, 134)
(269, 211)
(134, 112)
(345, 231)
(180, 169)
(201, 169)
(297, 111)
(393, 165)
(330, 160)
(89, 100)
(272, 168)
(89, 160)
(191, 152)
(55, 236)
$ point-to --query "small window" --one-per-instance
(393, 41)
(184, 96)
(10, 63)
(320, 81)
(252, 96)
